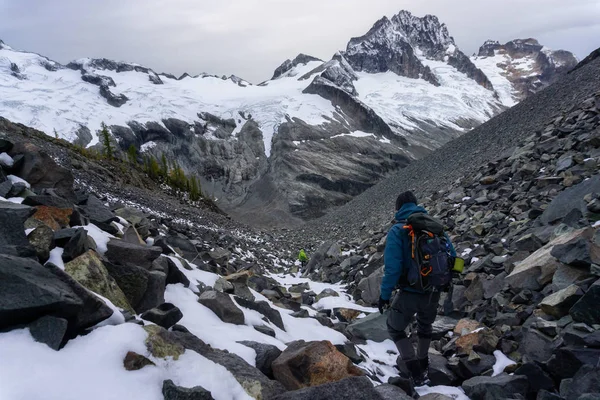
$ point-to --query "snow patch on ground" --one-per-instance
(502, 361)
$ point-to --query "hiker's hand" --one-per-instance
(383, 305)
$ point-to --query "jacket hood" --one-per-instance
(407, 210)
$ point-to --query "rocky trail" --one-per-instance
(113, 288)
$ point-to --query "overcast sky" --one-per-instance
(250, 38)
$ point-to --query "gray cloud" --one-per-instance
(250, 38)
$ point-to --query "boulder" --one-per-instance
(183, 247)
(570, 199)
(475, 290)
(47, 200)
(327, 293)
(41, 171)
(349, 350)
(155, 292)
(123, 253)
(538, 269)
(172, 392)
(76, 246)
(565, 361)
(165, 315)
(99, 214)
(12, 232)
(265, 355)
(466, 326)
(370, 287)
(174, 274)
(132, 236)
(475, 365)
(28, 291)
(372, 327)
(55, 218)
(264, 308)
(304, 364)
(441, 326)
(94, 309)
(578, 252)
(482, 340)
(538, 378)
(239, 281)
(133, 281)
(134, 361)
(90, 272)
(355, 388)
(499, 387)
(586, 380)
(439, 373)
(558, 304)
(586, 309)
(42, 240)
(49, 330)
(566, 275)
(346, 314)
(222, 305)
(535, 346)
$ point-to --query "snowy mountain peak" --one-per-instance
(406, 45)
(287, 65)
(522, 66)
(426, 33)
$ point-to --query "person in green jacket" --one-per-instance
(303, 258)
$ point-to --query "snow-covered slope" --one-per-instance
(405, 81)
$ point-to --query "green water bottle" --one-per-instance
(459, 265)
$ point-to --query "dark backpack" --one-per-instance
(430, 266)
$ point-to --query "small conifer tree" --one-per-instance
(108, 150)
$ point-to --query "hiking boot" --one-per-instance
(414, 367)
(423, 378)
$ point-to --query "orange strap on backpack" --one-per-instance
(411, 234)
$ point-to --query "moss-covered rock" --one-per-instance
(89, 271)
(160, 345)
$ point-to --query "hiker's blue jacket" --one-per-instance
(397, 251)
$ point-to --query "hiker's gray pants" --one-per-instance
(403, 310)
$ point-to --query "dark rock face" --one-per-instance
(49, 330)
(502, 386)
(222, 305)
(172, 392)
(132, 255)
(165, 315)
(265, 355)
(12, 232)
(264, 308)
(111, 98)
(30, 291)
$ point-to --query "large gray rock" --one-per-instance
(42, 239)
(12, 232)
(155, 291)
(558, 304)
(165, 315)
(222, 305)
(264, 308)
(586, 380)
(49, 330)
(129, 254)
(538, 269)
(579, 252)
(586, 309)
(372, 327)
(29, 291)
(371, 287)
(499, 387)
(265, 355)
(570, 199)
(76, 246)
(41, 171)
(93, 311)
(99, 214)
(172, 392)
(132, 280)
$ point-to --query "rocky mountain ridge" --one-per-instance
(312, 137)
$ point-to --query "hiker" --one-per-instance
(302, 257)
(420, 286)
